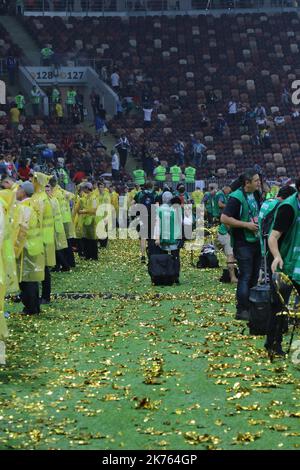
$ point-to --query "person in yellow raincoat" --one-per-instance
(3, 326)
(64, 198)
(8, 199)
(29, 250)
(8, 268)
(59, 232)
(88, 209)
(104, 199)
(78, 218)
(43, 206)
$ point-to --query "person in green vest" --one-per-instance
(139, 177)
(284, 246)
(211, 212)
(145, 197)
(190, 174)
(46, 55)
(55, 98)
(168, 230)
(71, 100)
(221, 199)
(20, 102)
(175, 172)
(241, 215)
(160, 175)
(267, 212)
(35, 97)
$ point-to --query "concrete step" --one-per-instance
(19, 35)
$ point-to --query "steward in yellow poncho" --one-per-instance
(8, 270)
(64, 198)
(59, 232)
(88, 209)
(79, 205)
(106, 213)
(45, 215)
(29, 250)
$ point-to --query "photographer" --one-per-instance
(241, 215)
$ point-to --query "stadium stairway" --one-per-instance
(31, 52)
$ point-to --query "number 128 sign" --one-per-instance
(59, 75)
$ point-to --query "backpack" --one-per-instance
(208, 258)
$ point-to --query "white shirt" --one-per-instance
(115, 162)
(232, 107)
(115, 79)
(147, 114)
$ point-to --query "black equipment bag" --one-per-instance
(260, 303)
(163, 269)
(260, 309)
(208, 258)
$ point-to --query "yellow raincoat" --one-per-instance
(43, 206)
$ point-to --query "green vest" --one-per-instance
(20, 101)
(220, 196)
(190, 174)
(265, 209)
(139, 177)
(160, 173)
(46, 52)
(290, 247)
(55, 95)
(169, 229)
(71, 95)
(223, 230)
(35, 98)
(175, 173)
(249, 210)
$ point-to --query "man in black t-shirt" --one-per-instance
(241, 215)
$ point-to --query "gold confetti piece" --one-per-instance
(110, 397)
(278, 427)
(254, 407)
(146, 404)
(247, 437)
(194, 438)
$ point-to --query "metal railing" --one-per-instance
(90, 7)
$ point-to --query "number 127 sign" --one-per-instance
(63, 74)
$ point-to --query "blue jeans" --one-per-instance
(249, 260)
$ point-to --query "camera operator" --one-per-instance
(241, 215)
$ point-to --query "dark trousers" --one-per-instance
(123, 157)
(90, 248)
(30, 297)
(69, 254)
(35, 109)
(61, 259)
(46, 285)
(80, 246)
(249, 260)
